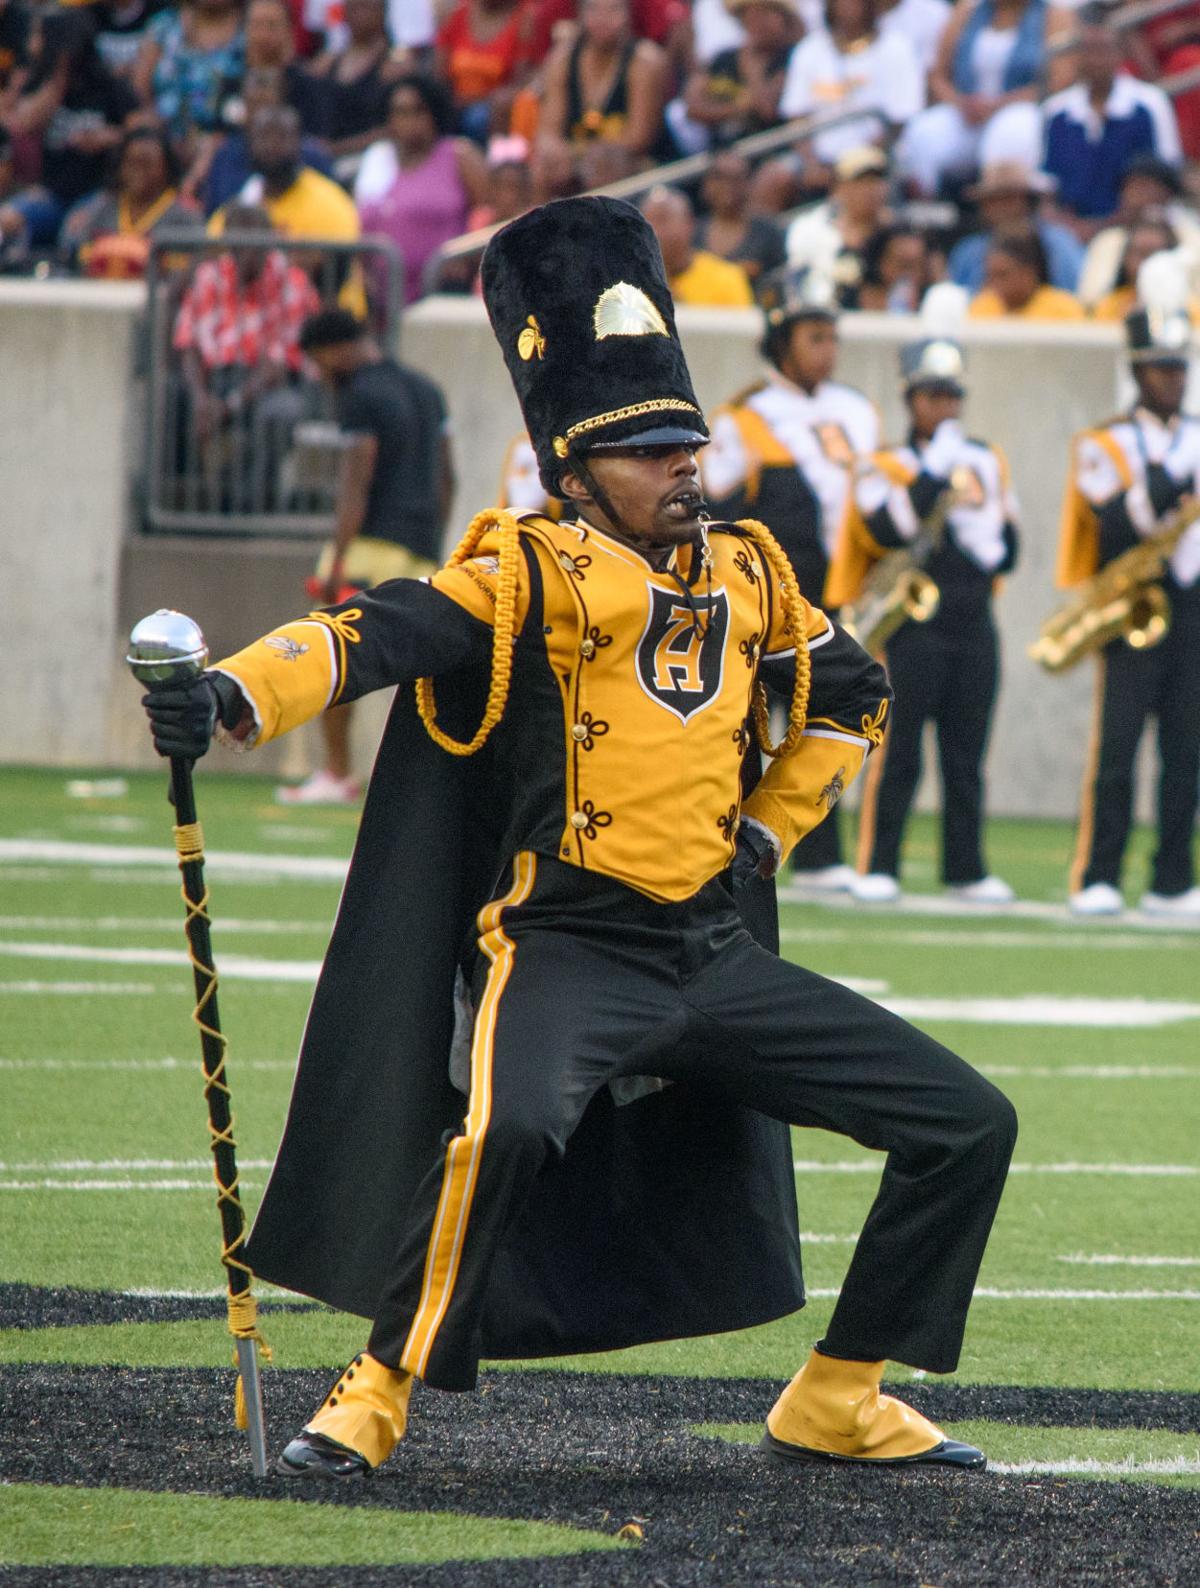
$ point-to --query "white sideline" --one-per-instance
(1178, 1467)
(166, 1065)
(1032, 1010)
(76, 988)
(1041, 1010)
(157, 923)
(309, 868)
(321, 868)
(233, 967)
(995, 1293)
(866, 931)
(1093, 1072)
(1113, 1260)
(875, 1166)
(932, 904)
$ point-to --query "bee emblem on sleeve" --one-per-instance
(833, 790)
(289, 650)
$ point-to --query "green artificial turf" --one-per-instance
(42, 1525)
(105, 1181)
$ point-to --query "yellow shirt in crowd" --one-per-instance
(1047, 303)
(316, 207)
(713, 283)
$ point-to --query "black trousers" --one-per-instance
(1163, 682)
(945, 671)
(580, 980)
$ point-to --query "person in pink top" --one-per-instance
(417, 186)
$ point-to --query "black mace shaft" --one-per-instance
(168, 649)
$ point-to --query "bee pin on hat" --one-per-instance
(578, 300)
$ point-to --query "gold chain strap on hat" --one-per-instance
(504, 631)
(794, 624)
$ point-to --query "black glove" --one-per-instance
(183, 717)
(753, 849)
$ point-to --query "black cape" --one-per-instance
(670, 1216)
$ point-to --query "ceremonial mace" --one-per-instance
(168, 649)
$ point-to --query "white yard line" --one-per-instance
(166, 1065)
(118, 1185)
(85, 989)
(865, 932)
(1035, 1009)
(1094, 1072)
(97, 1165)
(232, 967)
(1031, 1010)
(994, 1293)
(875, 1166)
(309, 868)
(1179, 1467)
(1113, 1260)
(930, 904)
(154, 923)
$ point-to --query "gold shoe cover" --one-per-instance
(367, 1409)
(835, 1407)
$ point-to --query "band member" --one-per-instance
(569, 773)
(1128, 477)
(785, 450)
(944, 499)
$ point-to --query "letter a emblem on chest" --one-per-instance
(681, 654)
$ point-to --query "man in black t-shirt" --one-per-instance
(394, 492)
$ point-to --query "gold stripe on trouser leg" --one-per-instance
(463, 1154)
(1087, 813)
(868, 810)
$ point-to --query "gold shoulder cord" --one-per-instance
(793, 618)
(242, 1309)
(504, 634)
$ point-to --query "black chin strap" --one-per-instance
(602, 499)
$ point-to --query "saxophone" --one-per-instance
(898, 590)
(1123, 601)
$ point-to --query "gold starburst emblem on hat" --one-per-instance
(531, 341)
(625, 310)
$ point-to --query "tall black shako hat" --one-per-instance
(579, 302)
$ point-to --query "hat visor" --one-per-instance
(658, 436)
(935, 386)
(1172, 357)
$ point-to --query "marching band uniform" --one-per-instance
(603, 798)
(787, 455)
(950, 496)
(1127, 478)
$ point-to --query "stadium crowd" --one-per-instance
(1019, 148)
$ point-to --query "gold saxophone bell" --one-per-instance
(924, 598)
(1123, 601)
(1150, 619)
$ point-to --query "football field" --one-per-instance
(120, 1461)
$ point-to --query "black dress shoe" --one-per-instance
(950, 1453)
(314, 1456)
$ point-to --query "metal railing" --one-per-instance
(239, 442)
(754, 146)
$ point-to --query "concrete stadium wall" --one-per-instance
(76, 577)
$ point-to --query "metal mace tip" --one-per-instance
(167, 647)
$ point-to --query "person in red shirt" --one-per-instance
(485, 50)
(238, 336)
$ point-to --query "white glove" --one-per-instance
(1182, 461)
(945, 450)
